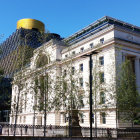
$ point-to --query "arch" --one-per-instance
(42, 60)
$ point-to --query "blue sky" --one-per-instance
(65, 17)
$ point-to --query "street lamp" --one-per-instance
(90, 83)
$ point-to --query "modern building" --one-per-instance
(111, 41)
(29, 35)
(5, 89)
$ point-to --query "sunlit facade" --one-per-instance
(113, 40)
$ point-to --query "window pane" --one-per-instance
(81, 67)
(102, 40)
(91, 45)
(103, 118)
(65, 73)
(102, 98)
(73, 70)
(101, 60)
(101, 77)
(82, 49)
(81, 82)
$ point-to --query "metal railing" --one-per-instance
(64, 131)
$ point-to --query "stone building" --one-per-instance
(112, 41)
(31, 34)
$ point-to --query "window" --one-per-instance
(102, 98)
(102, 40)
(82, 49)
(91, 45)
(25, 104)
(101, 60)
(81, 67)
(65, 118)
(20, 119)
(24, 119)
(103, 118)
(73, 70)
(26, 84)
(42, 61)
(65, 73)
(39, 120)
(21, 104)
(81, 82)
(102, 77)
(65, 86)
(66, 56)
(73, 53)
(81, 118)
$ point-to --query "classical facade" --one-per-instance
(110, 41)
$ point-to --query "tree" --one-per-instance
(44, 95)
(69, 94)
(23, 54)
(126, 93)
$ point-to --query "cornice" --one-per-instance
(90, 38)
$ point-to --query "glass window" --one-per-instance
(73, 53)
(103, 118)
(24, 119)
(102, 40)
(73, 70)
(102, 98)
(65, 86)
(81, 67)
(25, 104)
(65, 73)
(82, 118)
(42, 61)
(65, 118)
(82, 49)
(91, 45)
(101, 60)
(66, 56)
(102, 77)
(81, 82)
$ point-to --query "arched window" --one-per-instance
(42, 61)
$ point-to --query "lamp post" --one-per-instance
(90, 83)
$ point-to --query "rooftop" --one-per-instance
(99, 25)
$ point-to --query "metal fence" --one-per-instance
(63, 131)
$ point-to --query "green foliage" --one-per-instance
(127, 94)
(23, 53)
(68, 94)
(42, 89)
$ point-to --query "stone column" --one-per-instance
(137, 72)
